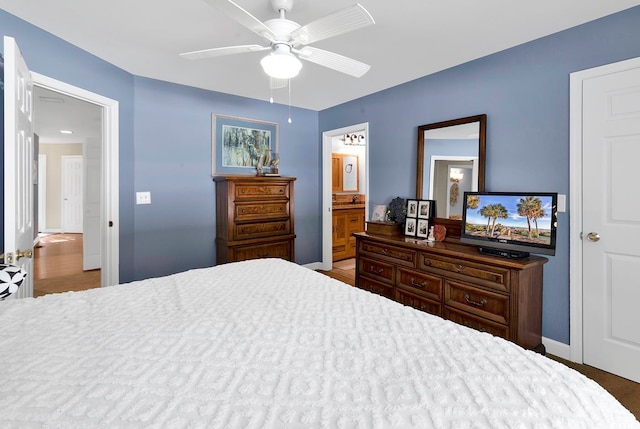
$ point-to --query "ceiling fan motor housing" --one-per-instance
(285, 5)
(282, 28)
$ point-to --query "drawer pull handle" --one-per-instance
(480, 303)
(416, 284)
(427, 262)
(376, 271)
(385, 250)
(459, 267)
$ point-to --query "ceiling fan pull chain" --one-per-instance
(289, 101)
(271, 90)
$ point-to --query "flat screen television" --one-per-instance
(510, 224)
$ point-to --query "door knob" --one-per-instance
(593, 236)
(24, 254)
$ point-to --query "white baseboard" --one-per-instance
(557, 348)
(314, 266)
(51, 231)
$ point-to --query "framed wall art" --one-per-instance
(237, 144)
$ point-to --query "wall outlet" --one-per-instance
(143, 197)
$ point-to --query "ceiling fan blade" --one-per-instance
(243, 17)
(218, 52)
(333, 61)
(340, 22)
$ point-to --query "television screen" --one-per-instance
(510, 224)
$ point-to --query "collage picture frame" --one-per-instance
(418, 221)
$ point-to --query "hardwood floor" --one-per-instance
(343, 270)
(58, 266)
(625, 391)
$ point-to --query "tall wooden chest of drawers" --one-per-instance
(454, 281)
(254, 218)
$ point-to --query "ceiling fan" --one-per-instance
(288, 41)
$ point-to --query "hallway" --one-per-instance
(58, 266)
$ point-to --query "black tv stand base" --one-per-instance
(510, 254)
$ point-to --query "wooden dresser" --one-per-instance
(254, 218)
(454, 281)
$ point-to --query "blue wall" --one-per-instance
(165, 140)
(173, 160)
(525, 93)
(165, 148)
(55, 58)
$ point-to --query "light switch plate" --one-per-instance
(143, 197)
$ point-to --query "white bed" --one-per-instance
(269, 344)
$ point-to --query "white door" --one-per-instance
(91, 254)
(18, 164)
(72, 194)
(611, 222)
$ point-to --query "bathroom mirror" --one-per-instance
(451, 160)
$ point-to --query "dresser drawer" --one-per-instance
(247, 231)
(490, 305)
(418, 302)
(261, 191)
(279, 249)
(475, 322)
(247, 212)
(381, 271)
(396, 255)
(485, 275)
(420, 283)
(376, 287)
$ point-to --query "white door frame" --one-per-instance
(327, 140)
(109, 235)
(575, 205)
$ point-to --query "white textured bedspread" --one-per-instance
(271, 344)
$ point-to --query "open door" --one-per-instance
(18, 165)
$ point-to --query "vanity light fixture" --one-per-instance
(354, 140)
(456, 175)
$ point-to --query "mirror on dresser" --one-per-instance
(451, 160)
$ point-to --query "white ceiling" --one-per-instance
(411, 39)
(54, 112)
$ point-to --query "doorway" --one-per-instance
(329, 140)
(605, 142)
(97, 124)
(67, 129)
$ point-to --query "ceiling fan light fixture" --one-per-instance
(281, 63)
